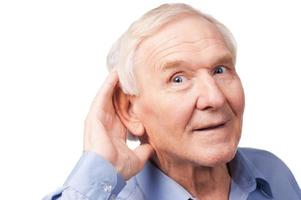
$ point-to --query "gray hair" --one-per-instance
(121, 55)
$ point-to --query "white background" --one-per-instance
(52, 61)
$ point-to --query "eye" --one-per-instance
(220, 69)
(178, 79)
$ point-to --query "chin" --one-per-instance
(216, 156)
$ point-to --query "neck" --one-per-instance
(201, 182)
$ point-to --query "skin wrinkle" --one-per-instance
(193, 41)
(198, 66)
(154, 53)
(226, 57)
(156, 49)
(161, 64)
(169, 114)
(181, 17)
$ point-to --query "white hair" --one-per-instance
(122, 53)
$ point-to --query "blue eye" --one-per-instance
(178, 79)
(219, 69)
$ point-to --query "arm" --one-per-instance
(101, 171)
(92, 178)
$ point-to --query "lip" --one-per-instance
(210, 127)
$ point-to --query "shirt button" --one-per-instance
(106, 187)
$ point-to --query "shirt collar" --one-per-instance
(246, 175)
(157, 185)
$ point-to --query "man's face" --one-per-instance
(191, 100)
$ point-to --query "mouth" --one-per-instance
(212, 127)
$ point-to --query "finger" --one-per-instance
(108, 86)
(105, 92)
(143, 152)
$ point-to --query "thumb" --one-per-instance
(143, 152)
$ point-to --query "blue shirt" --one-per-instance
(255, 175)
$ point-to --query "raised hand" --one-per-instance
(106, 135)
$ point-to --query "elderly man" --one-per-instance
(179, 93)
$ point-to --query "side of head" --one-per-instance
(180, 90)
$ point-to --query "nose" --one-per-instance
(210, 95)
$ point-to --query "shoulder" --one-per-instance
(266, 162)
(271, 167)
(260, 157)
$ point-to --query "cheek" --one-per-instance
(239, 101)
(166, 114)
(179, 108)
(235, 95)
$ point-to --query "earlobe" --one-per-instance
(124, 107)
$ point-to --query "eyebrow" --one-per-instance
(223, 58)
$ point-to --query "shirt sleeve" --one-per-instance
(93, 178)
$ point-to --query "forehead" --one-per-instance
(188, 38)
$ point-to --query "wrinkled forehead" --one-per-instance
(189, 35)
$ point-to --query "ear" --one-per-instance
(124, 106)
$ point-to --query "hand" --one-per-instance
(106, 135)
